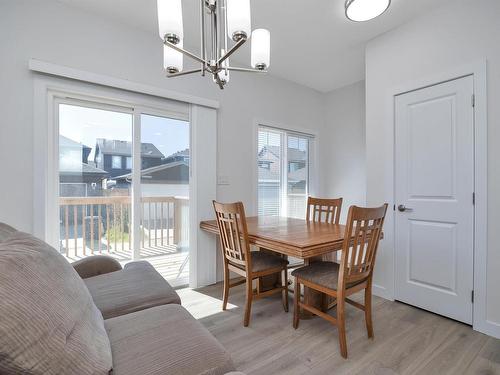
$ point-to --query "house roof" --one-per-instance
(294, 154)
(265, 174)
(67, 142)
(86, 169)
(124, 148)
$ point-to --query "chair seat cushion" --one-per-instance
(262, 261)
(164, 340)
(137, 287)
(325, 274)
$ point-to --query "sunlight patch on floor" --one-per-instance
(201, 305)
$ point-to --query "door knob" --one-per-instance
(403, 208)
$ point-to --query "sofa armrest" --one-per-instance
(96, 265)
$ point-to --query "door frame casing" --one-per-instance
(434, 210)
(478, 70)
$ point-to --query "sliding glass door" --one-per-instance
(124, 185)
(165, 162)
(94, 211)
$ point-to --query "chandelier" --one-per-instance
(225, 20)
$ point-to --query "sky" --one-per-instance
(85, 125)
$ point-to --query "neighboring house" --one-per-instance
(76, 176)
(269, 157)
(269, 175)
(269, 165)
(115, 156)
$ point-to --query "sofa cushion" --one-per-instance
(49, 323)
(137, 287)
(5, 231)
(164, 340)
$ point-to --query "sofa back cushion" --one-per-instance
(49, 323)
(5, 231)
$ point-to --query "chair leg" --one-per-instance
(296, 309)
(284, 284)
(341, 325)
(226, 288)
(368, 311)
(248, 302)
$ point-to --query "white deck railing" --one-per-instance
(92, 225)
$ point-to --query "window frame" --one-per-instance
(134, 104)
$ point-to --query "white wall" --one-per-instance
(343, 147)
(460, 33)
(54, 32)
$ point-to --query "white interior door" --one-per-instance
(434, 198)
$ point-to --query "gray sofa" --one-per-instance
(94, 317)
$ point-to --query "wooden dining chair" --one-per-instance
(238, 258)
(353, 274)
(323, 210)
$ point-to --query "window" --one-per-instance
(116, 162)
(283, 172)
(129, 162)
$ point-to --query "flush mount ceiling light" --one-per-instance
(220, 20)
(364, 10)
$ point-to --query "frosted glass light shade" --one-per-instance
(172, 59)
(261, 49)
(364, 10)
(170, 18)
(238, 18)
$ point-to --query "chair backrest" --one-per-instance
(233, 231)
(323, 210)
(361, 239)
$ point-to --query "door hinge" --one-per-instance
(473, 100)
(472, 296)
(473, 198)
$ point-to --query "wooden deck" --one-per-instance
(407, 340)
(172, 264)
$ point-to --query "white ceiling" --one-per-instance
(312, 42)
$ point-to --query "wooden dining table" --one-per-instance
(310, 241)
(292, 237)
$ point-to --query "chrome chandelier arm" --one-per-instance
(218, 81)
(246, 70)
(233, 49)
(187, 53)
(184, 73)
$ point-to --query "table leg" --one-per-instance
(271, 281)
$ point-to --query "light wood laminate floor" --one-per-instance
(407, 340)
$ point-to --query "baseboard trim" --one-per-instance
(382, 292)
(488, 328)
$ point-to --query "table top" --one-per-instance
(293, 237)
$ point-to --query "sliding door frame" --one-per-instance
(50, 93)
